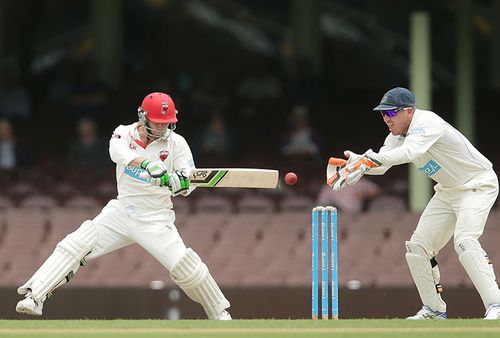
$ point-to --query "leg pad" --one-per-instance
(62, 264)
(480, 270)
(193, 277)
(425, 273)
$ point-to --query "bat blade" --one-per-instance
(234, 178)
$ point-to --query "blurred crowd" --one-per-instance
(61, 120)
(223, 116)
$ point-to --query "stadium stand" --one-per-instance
(244, 242)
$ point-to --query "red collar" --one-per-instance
(137, 140)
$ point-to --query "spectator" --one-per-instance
(352, 199)
(14, 99)
(13, 154)
(261, 84)
(301, 139)
(217, 140)
(88, 150)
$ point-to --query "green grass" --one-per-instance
(470, 328)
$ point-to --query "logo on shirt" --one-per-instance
(430, 168)
(163, 154)
(416, 131)
(136, 173)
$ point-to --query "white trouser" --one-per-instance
(119, 225)
(462, 213)
(115, 227)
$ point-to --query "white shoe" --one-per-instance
(224, 315)
(428, 313)
(30, 306)
(493, 312)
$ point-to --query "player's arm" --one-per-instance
(119, 149)
(121, 153)
(183, 163)
(177, 180)
(158, 175)
(419, 139)
(389, 143)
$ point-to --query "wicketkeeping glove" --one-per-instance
(336, 173)
(158, 172)
(341, 172)
(359, 168)
(352, 157)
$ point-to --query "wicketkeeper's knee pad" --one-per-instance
(479, 267)
(62, 264)
(425, 273)
(192, 276)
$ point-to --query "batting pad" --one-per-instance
(424, 276)
(62, 263)
(193, 277)
(480, 270)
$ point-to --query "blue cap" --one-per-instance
(396, 98)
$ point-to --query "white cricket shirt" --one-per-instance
(133, 189)
(437, 149)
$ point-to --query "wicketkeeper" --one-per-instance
(466, 189)
(152, 164)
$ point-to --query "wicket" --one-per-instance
(329, 262)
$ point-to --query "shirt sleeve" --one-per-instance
(183, 160)
(421, 136)
(119, 148)
(389, 143)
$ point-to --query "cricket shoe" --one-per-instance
(30, 306)
(224, 315)
(427, 313)
(493, 312)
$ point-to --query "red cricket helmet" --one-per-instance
(158, 108)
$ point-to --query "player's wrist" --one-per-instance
(145, 163)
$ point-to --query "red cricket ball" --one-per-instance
(291, 178)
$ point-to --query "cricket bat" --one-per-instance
(234, 178)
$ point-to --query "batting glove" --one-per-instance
(157, 170)
(178, 183)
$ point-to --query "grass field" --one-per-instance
(249, 328)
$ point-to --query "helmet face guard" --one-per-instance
(152, 133)
(158, 108)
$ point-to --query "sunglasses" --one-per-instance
(391, 112)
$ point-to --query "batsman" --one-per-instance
(142, 213)
(466, 189)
